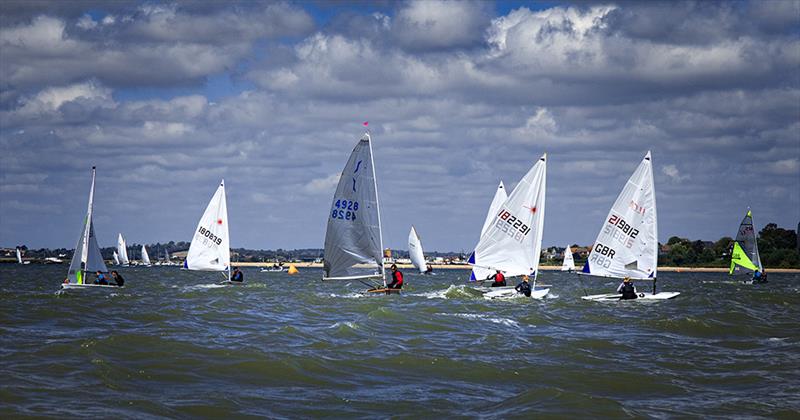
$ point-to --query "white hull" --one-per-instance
(272, 270)
(509, 292)
(231, 283)
(89, 286)
(616, 297)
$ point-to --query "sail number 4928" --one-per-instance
(344, 210)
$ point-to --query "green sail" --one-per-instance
(739, 257)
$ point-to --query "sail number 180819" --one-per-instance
(344, 210)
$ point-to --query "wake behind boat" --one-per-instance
(512, 243)
(627, 245)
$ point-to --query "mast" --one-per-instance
(377, 206)
(649, 158)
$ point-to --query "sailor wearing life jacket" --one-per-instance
(397, 278)
(627, 289)
(499, 279)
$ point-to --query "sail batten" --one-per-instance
(210, 247)
(353, 238)
(627, 245)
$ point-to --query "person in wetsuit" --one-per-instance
(101, 279)
(237, 275)
(119, 281)
(627, 289)
(759, 277)
(397, 278)
(499, 279)
(524, 288)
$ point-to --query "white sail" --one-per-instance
(353, 239)
(116, 258)
(145, 257)
(19, 257)
(166, 256)
(87, 257)
(627, 245)
(569, 261)
(210, 247)
(415, 251)
(500, 196)
(122, 250)
(513, 241)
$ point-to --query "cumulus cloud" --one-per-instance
(454, 104)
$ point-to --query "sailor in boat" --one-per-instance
(101, 279)
(397, 278)
(499, 279)
(524, 288)
(759, 277)
(428, 269)
(237, 275)
(118, 280)
(627, 289)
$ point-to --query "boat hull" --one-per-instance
(616, 297)
(88, 286)
(384, 291)
(509, 292)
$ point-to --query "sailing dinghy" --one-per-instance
(569, 261)
(627, 245)
(19, 258)
(87, 258)
(500, 196)
(145, 257)
(513, 241)
(353, 239)
(210, 247)
(122, 251)
(744, 256)
(415, 251)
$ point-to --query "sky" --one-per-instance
(168, 98)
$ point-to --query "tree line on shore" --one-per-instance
(778, 248)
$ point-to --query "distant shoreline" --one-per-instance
(543, 267)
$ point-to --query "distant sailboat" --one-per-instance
(627, 245)
(210, 247)
(353, 239)
(415, 251)
(116, 258)
(569, 262)
(744, 256)
(87, 258)
(19, 258)
(500, 196)
(513, 241)
(145, 257)
(122, 250)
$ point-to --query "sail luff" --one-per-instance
(377, 207)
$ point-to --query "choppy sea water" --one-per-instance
(174, 344)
